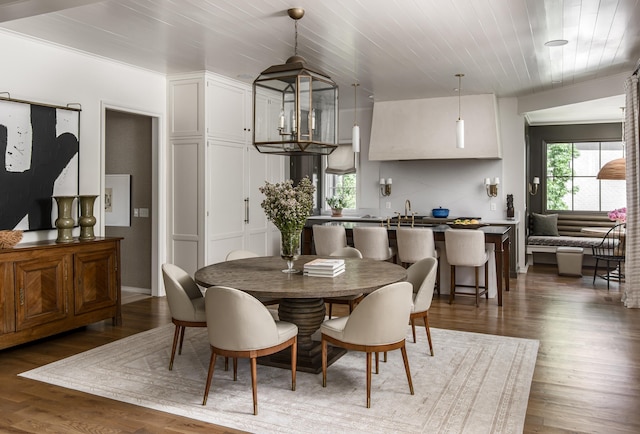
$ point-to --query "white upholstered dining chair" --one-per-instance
(422, 275)
(377, 324)
(239, 325)
(186, 304)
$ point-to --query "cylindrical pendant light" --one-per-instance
(355, 132)
(460, 121)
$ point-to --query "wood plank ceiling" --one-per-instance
(396, 49)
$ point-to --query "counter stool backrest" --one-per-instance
(373, 242)
(328, 238)
(415, 244)
(465, 247)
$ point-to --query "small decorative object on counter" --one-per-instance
(64, 222)
(440, 212)
(9, 239)
(87, 220)
(510, 210)
(288, 207)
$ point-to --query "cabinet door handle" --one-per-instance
(246, 210)
(21, 296)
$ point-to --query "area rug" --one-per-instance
(475, 383)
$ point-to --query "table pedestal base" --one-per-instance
(307, 314)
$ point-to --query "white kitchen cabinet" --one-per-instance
(219, 174)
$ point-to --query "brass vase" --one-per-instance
(87, 220)
(65, 221)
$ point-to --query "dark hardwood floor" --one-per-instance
(587, 376)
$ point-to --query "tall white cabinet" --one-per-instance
(215, 172)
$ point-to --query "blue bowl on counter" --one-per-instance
(440, 212)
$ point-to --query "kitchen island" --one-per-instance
(498, 236)
(427, 221)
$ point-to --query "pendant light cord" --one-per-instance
(355, 103)
(459, 93)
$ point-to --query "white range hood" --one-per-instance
(420, 129)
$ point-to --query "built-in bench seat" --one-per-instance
(571, 235)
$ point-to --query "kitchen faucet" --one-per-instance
(407, 208)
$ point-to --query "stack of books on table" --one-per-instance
(324, 267)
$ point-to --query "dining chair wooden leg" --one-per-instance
(324, 363)
(235, 369)
(330, 309)
(426, 326)
(377, 362)
(438, 278)
(368, 379)
(254, 384)
(413, 329)
(294, 362)
(384, 359)
(406, 366)
(182, 329)
(212, 364)
(176, 333)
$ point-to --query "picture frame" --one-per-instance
(117, 200)
(39, 159)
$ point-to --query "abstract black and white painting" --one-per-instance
(39, 159)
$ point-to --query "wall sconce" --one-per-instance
(533, 187)
(492, 189)
(385, 186)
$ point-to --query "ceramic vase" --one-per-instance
(64, 222)
(87, 220)
(290, 248)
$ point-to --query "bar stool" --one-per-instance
(328, 238)
(465, 248)
(415, 244)
(373, 242)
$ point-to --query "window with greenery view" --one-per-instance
(343, 187)
(571, 182)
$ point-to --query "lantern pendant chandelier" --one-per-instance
(460, 121)
(355, 132)
(295, 107)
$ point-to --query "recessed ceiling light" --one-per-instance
(556, 43)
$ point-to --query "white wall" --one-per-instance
(45, 73)
(454, 184)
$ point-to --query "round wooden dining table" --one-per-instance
(301, 297)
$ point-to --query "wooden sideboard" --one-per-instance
(48, 288)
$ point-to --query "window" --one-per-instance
(342, 185)
(571, 182)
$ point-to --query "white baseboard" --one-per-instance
(146, 291)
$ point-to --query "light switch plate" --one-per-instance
(144, 212)
(493, 206)
(135, 212)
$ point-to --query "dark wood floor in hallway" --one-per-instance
(587, 376)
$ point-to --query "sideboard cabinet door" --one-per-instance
(96, 284)
(41, 290)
